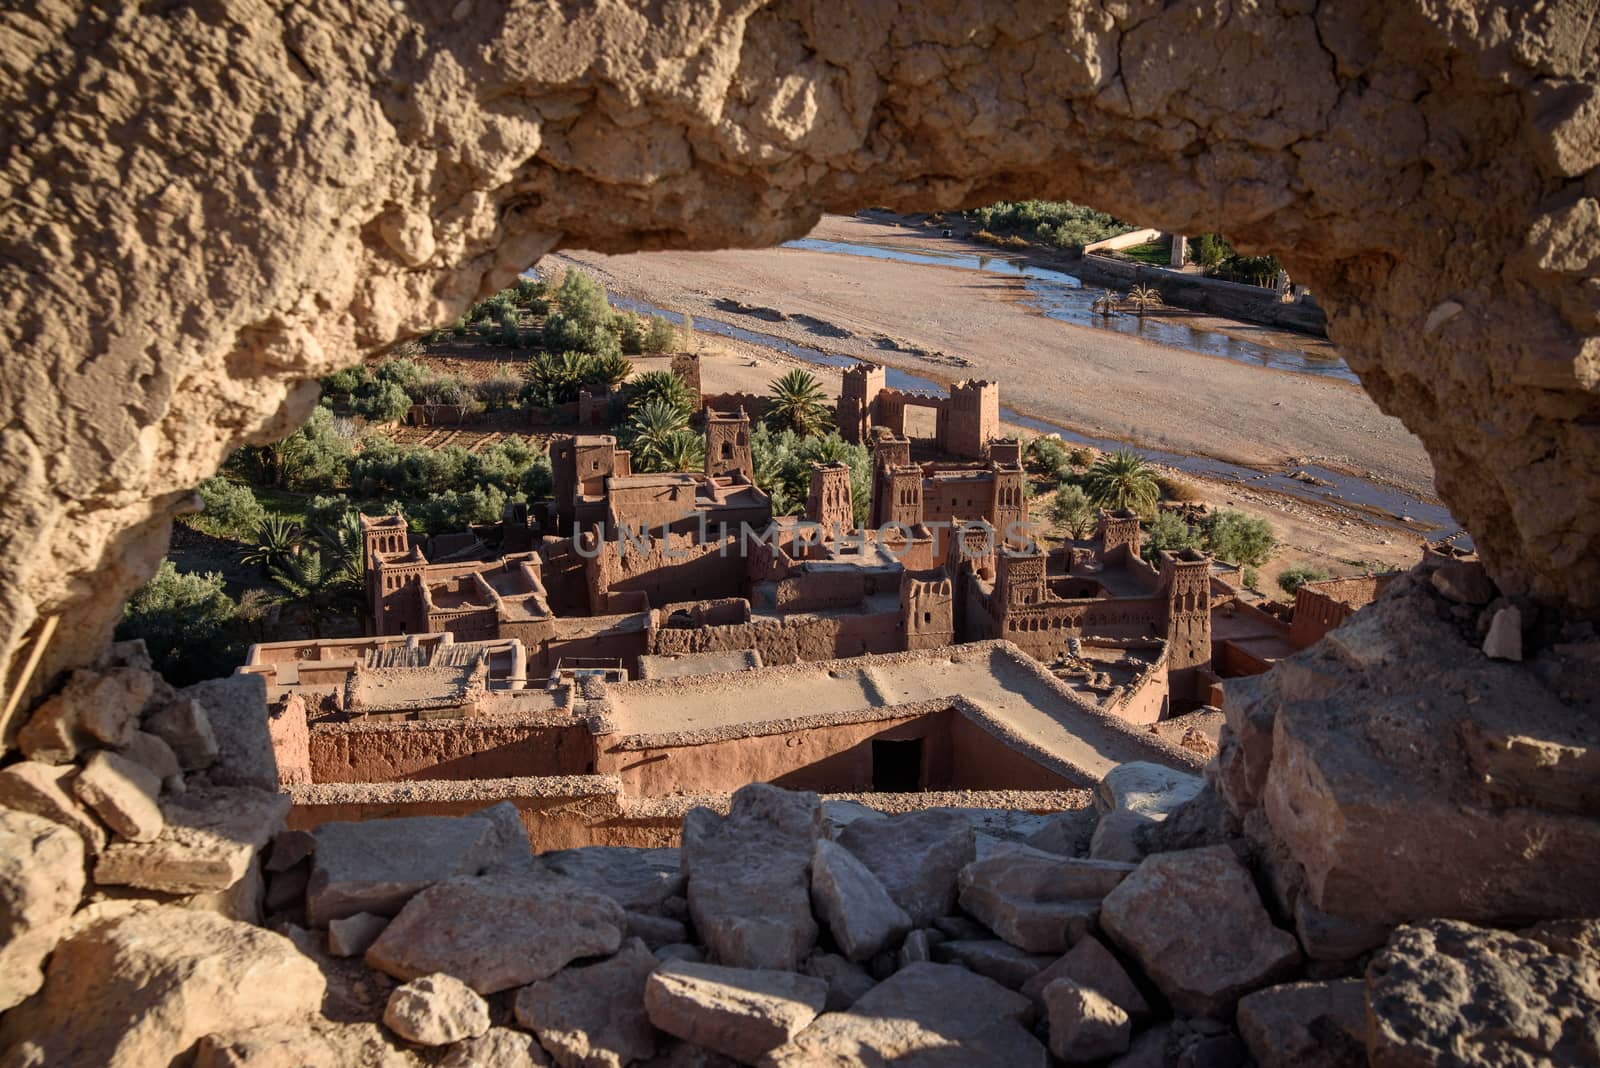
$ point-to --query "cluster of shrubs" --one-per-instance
(386, 394)
(1217, 257)
(1058, 223)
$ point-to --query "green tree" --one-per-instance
(1296, 575)
(1072, 513)
(314, 457)
(343, 549)
(684, 450)
(231, 509)
(188, 622)
(1238, 538)
(555, 378)
(608, 371)
(311, 585)
(798, 403)
(629, 336)
(583, 300)
(660, 385)
(1208, 250)
(382, 402)
(660, 336)
(1122, 479)
(653, 424)
(277, 539)
(1168, 531)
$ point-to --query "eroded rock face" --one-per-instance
(210, 252)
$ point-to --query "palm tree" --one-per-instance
(653, 424)
(555, 378)
(1122, 479)
(610, 371)
(797, 403)
(342, 542)
(661, 385)
(683, 450)
(310, 584)
(277, 540)
(1143, 298)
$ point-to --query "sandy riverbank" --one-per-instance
(1099, 383)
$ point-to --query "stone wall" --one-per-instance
(454, 748)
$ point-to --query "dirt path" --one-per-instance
(1099, 383)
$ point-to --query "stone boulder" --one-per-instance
(1195, 923)
(846, 980)
(1449, 993)
(858, 912)
(235, 708)
(750, 877)
(1001, 961)
(377, 865)
(435, 1010)
(1085, 1025)
(46, 790)
(121, 793)
(495, 932)
(1091, 965)
(741, 1013)
(1068, 833)
(352, 936)
(922, 1016)
(41, 873)
(593, 1015)
(639, 880)
(94, 708)
(210, 838)
(279, 1046)
(916, 856)
(186, 728)
(499, 1047)
(1041, 902)
(1131, 798)
(158, 980)
(1306, 1025)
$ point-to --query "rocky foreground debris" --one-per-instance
(1158, 927)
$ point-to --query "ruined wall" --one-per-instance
(448, 749)
(789, 641)
(214, 208)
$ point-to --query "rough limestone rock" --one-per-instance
(236, 709)
(498, 931)
(184, 725)
(593, 1015)
(159, 979)
(1448, 993)
(121, 793)
(1388, 802)
(1085, 1025)
(639, 880)
(859, 913)
(499, 1047)
(750, 877)
(289, 849)
(46, 790)
(923, 1015)
(1504, 640)
(1004, 963)
(155, 756)
(210, 839)
(846, 980)
(435, 1010)
(22, 961)
(1131, 798)
(916, 856)
(280, 1046)
(351, 936)
(95, 708)
(1090, 964)
(655, 930)
(41, 873)
(1306, 1025)
(1068, 833)
(377, 865)
(1038, 901)
(740, 1012)
(1195, 924)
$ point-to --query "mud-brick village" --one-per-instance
(793, 533)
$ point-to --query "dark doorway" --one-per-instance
(897, 766)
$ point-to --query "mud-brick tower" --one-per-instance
(927, 609)
(728, 445)
(1119, 537)
(829, 504)
(972, 418)
(1018, 579)
(1186, 583)
(1010, 507)
(858, 397)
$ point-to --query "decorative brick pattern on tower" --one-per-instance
(1119, 534)
(829, 503)
(728, 444)
(1186, 581)
(927, 609)
(1010, 508)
